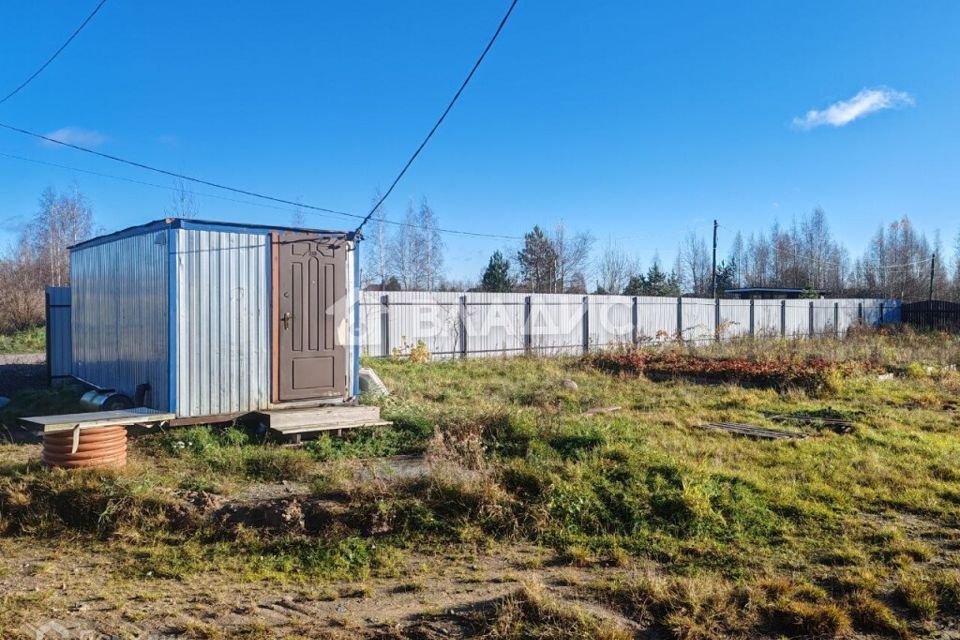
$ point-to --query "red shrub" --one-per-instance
(813, 374)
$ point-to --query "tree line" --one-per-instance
(409, 255)
(804, 255)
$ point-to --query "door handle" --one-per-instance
(285, 319)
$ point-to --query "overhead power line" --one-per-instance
(246, 192)
(296, 207)
(55, 53)
(436, 126)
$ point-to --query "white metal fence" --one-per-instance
(482, 324)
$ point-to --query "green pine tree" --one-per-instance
(496, 277)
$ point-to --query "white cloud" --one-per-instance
(76, 135)
(846, 111)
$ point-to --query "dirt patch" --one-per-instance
(22, 371)
(431, 597)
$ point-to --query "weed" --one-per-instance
(531, 613)
(918, 594)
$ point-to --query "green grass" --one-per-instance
(24, 341)
(833, 534)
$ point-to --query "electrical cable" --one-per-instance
(453, 101)
(55, 53)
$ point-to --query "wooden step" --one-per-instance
(298, 421)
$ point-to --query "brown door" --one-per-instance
(310, 302)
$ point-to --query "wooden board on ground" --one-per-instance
(93, 419)
(840, 425)
(294, 422)
(752, 431)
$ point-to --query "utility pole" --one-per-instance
(933, 263)
(713, 274)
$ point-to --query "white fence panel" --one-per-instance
(656, 318)
(430, 316)
(556, 323)
(501, 324)
(823, 317)
(371, 330)
(767, 318)
(610, 320)
(734, 318)
(699, 318)
(848, 315)
(797, 318)
(495, 323)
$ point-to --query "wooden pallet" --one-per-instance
(752, 431)
(291, 424)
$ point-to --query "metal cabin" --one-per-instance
(214, 320)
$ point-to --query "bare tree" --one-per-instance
(614, 269)
(400, 258)
(694, 264)
(182, 204)
(375, 250)
(64, 219)
(40, 258)
(428, 248)
(298, 218)
(572, 255)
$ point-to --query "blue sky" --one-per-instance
(634, 121)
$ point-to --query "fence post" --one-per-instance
(586, 324)
(836, 319)
(385, 324)
(463, 326)
(716, 319)
(880, 318)
(810, 321)
(860, 312)
(753, 320)
(679, 319)
(49, 320)
(783, 318)
(527, 320)
(636, 321)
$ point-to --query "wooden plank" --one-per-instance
(69, 421)
(319, 415)
(318, 428)
(752, 431)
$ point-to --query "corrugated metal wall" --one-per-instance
(699, 319)
(556, 323)
(222, 322)
(734, 318)
(656, 318)
(495, 322)
(120, 319)
(610, 320)
(59, 342)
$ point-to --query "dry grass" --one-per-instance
(711, 535)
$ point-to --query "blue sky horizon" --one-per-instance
(634, 122)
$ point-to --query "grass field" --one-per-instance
(25, 341)
(499, 506)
